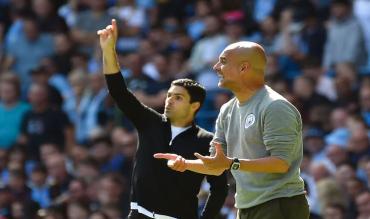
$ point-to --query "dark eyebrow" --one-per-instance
(176, 94)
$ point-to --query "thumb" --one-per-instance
(165, 156)
(218, 147)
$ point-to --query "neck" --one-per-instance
(246, 92)
(183, 123)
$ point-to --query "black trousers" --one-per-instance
(295, 207)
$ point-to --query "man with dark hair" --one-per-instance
(156, 191)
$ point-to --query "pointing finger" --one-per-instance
(165, 156)
(114, 26)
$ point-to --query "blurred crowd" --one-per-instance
(66, 151)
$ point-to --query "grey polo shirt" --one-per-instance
(266, 125)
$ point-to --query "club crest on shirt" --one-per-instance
(249, 120)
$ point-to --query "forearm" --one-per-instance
(199, 167)
(264, 165)
(110, 61)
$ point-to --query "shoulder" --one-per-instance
(202, 133)
(274, 102)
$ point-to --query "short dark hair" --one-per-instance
(196, 91)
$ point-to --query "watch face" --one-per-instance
(235, 166)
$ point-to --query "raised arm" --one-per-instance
(108, 39)
(126, 101)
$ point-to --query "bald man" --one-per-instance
(258, 138)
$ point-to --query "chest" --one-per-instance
(244, 133)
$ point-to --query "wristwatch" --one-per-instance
(235, 165)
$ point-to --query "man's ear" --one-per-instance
(195, 106)
(244, 66)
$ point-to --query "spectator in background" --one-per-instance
(311, 68)
(77, 191)
(17, 185)
(77, 104)
(339, 134)
(315, 144)
(267, 34)
(12, 109)
(87, 23)
(313, 35)
(4, 174)
(92, 110)
(42, 76)
(56, 79)
(288, 44)
(131, 15)
(363, 205)
(98, 215)
(101, 150)
(155, 92)
(195, 24)
(30, 39)
(5, 202)
(59, 177)
(64, 50)
(205, 51)
(365, 103)
(329, 192)
(337, 155)
(113, 190)
(47, 18)
(306, 97)
(346, 87)
(341, 46)
(358, 146)
(40, 190)
(361, 9)
(44, 124)
(76, 210)
(334, 211)
(88, 170)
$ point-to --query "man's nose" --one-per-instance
(215, 67)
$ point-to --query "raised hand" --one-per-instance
(217, 162)
(174, 161)
(108, 36)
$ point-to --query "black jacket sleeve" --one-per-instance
(138, 113)
(216, 197)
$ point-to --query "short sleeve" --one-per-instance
(282, 128)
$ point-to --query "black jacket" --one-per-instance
(155, 186)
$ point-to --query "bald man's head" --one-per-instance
(241, 67)
(249, 52)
